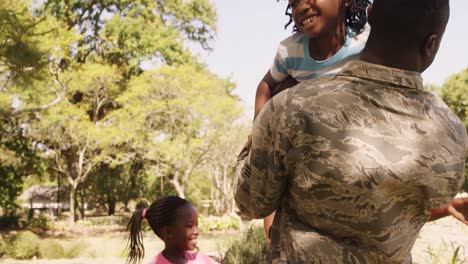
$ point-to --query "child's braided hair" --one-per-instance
(356, 15)
(161, 213)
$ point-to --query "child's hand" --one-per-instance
(458, 208)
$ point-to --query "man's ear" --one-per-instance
(429, 49)
(431, 45)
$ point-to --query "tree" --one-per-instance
(177, 115)
(73, 74)
(220, 168)
(455, 94)
(432, 87)
(31, 48)
(67, 62)
(18, 159)
(116, 184)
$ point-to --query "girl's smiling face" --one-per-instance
(185, 231)
(317, 17)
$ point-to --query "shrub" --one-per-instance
(51, 249)
(23, 245)
(9, 222)
(250, 248)
(108, 220)
(76, 249)
(2, 246)
(216, 223)
(39, 222)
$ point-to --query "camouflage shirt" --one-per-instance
(352, 163)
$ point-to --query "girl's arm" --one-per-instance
(287, 83)
(266, 85)
(458, 208)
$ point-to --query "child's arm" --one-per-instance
(264, 89)
(458, 208)
(267, 223)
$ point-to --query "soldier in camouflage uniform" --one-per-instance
(354, 163)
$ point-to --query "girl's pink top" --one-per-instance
(192, 258)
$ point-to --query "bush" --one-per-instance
(39, 222)
(51, 249)
(216, 223)
(108, 220)
(75, 249)
(2, 246)
(24, 245)
(250, 248)
(9, 222)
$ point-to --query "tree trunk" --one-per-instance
(179, 188)
(111, 206)
(72, 204)
(59, 185)
(82, 205)
(161, 184)
(177, 185)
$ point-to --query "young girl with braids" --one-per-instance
(328, 34)
(175, 221)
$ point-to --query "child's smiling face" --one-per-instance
(185, 231)
(317, 17)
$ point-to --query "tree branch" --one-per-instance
(58, 99)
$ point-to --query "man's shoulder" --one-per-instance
(297, 97)
(447, 116)
(322, 84)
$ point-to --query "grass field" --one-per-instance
(110, 248)
(437, 244)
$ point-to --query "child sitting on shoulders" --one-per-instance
(328, 34)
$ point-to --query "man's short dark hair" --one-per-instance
(409, 18)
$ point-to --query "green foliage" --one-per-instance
(3, 246)
(120, 220)
(219, 223)
(250, 248)
(445, 253)
(18, 158)
(454, 259)
(31, 48)
(24, 245)
(40, 222)
(177, 115)
(455, 94)
(9, 221)
(432, 87)
(113, 184)
(104, 123)
(76, 249)
(124, 32)
(51, 249)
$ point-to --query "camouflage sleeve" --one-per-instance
(466, 145)
(261, 175)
